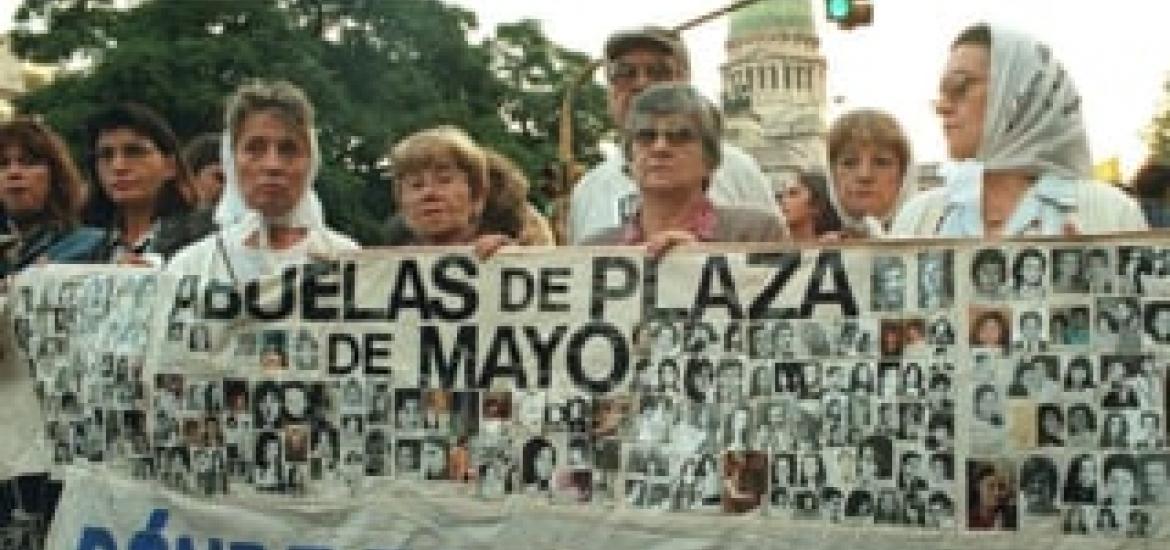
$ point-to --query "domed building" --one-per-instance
(774, 94)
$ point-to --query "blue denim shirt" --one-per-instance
(52, 245)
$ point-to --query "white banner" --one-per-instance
(909, 393)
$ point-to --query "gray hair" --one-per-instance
(677, 98)
(284, 98)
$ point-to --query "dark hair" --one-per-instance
(817, 184)
(1116, 462)
(988, 315)
(531, 449)
(67, 189)
(1082, 362)
(1149, 186)
(989, 256)
(1018, 265)
(202, 151)
(1040, 467)
(506, 197)
(1083, 407)
(1108, 440)
(978, 34)
(857, 499)
(1152, 311)
(174, 197)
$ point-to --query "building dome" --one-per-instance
(772, 17)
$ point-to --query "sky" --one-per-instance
(1116, 53)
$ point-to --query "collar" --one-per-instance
(964, 194)
(143, 244)
(700, 222)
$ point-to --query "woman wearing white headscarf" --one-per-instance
(269, 215)
(1012, 120)
(872, 170)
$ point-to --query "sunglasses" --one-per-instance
(645, 137)
(957, 86)
(620, 72)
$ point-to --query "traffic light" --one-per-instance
(848, 14)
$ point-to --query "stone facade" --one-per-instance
(774, 95)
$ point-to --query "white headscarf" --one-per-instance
(1032, 119)
(233, 214)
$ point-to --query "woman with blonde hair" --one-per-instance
(872, 171)
(443, 185)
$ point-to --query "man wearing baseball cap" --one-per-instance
(606, 196)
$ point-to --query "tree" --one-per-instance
(375, 70)
(1158, 132)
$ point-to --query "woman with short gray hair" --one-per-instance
(672, 142)
(269, 215)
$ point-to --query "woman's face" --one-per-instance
(868, 177)
(863, 374)
(1032, 270)
(208, 183)
(783, 471)
(438, 203)
(270, 406)
(992, 489)
(810, 466)
(1116, 427)
(962, 102)
(1087, 476)
(990, 332)
(24, 182)
(544, 463)
(272, 451)
(1070, 265)
(1079, 375)
(130, 167)
(796, 203)
(1052, 423)
(272, 161)
(667, 155)
(739, 420)
(1078, 420)
(1121, 485)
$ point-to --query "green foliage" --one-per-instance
(1158, 132)
(376, 71)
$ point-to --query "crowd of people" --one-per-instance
(241, 204)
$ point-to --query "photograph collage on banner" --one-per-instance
(973, 389)
(1069, 378)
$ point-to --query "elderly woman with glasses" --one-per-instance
(672, 142)
(1012, 120)
(450, 191)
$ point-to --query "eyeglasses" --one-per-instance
(622, 73)
(645, 137)
(131, 151)
(956, 86)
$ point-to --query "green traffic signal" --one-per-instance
(838, 10)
